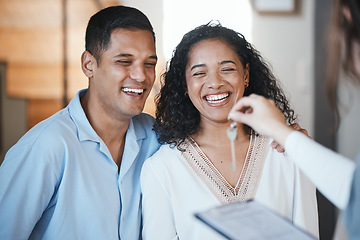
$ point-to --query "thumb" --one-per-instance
(240, 116)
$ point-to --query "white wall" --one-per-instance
(172, 19)
(286, 42)
(183, 16)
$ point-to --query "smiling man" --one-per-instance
(76, 174)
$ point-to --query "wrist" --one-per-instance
(282, 133)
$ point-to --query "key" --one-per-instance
(232, 135)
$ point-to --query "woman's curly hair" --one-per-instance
(176, 116)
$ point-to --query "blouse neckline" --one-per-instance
(249, 178)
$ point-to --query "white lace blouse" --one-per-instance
(175, 185)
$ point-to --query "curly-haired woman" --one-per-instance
(211, 69)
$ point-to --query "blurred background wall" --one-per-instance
(41, 42)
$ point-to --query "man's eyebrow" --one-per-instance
(130, 55)
(227, 61)
(124, 55)
(153, 57)
(197, 66)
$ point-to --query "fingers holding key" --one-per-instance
(262, 115)
(258, 112)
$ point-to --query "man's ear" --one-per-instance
(88, 63)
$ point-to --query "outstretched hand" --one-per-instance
(262, 115)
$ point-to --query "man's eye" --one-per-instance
(150, 64)
(123, 62)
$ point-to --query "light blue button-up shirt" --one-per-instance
(60, 181)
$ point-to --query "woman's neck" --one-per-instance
(213, 141)
(211, 133)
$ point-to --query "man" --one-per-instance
(76, 174)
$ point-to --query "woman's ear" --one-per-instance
(247, 72)
(246, 76)
(88, 63)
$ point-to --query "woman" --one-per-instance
(211, 69)
(332, 173)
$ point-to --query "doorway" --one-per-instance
(12, 116)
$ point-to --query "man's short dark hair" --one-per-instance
(104, 22)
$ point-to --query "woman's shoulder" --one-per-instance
(280, 165)
(165, 155)
(280, 160)
(162, 165)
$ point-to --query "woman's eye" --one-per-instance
(199, 74)
(228, 70)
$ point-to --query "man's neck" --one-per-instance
(111, 130)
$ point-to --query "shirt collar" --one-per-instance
(136, 129)
(84, 129)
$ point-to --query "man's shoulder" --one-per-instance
(46, 141)
(50, 130)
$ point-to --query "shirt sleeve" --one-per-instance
(352, 216)
(27, 184)
(305, 204)
(157, 213)
(329, 171)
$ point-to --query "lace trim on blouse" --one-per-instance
(250, 176)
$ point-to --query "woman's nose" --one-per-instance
(215, 81)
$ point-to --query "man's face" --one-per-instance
(123, 80)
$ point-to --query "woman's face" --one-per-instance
(215, 79)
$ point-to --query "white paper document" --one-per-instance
(251, 221)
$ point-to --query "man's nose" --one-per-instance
(138, 73)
